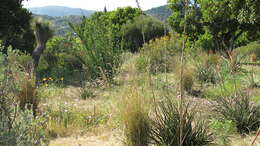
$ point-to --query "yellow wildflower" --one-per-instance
(44, 79)
(62, 78)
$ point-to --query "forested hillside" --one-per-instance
(161, 13)
(60, 24)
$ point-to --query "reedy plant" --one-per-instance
(102, 55)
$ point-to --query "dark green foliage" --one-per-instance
(239, 110)
(219, 25)
(63, 58)
(193, 17)
(169, 119)
(15, 28)
(141, 30)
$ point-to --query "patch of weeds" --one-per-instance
(226, 89)
(256, 98)
(67, 120)
(86, 94)
(223, 128)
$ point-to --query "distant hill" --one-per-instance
(59, 24)
(161, 13)
(60, 11)
(61, 16)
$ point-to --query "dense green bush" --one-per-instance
(102, 57)
(63, 58)
(170, 123)
(238, 109)
(142, 29)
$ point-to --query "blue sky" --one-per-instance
(95, 4)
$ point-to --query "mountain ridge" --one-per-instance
(56, 11)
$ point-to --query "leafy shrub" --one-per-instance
(17, 126)
(135, 119)
(63, 57)
(102, 57)
(142, 29)
(23, 129)
(169, 119)
(239, 110)
(158, 55)
(22, 76)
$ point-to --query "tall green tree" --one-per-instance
(15, 28)
(221, 24)
(115, 20)
(228, 20)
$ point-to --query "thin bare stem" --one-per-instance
(181, 73)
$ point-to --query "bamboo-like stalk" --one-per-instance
(181, 73)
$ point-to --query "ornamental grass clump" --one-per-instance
(135, 120)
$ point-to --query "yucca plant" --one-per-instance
(167, 130)
(239, 110)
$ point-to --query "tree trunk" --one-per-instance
(42, 35)
(37, 54)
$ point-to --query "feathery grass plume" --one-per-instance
(135, 119)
